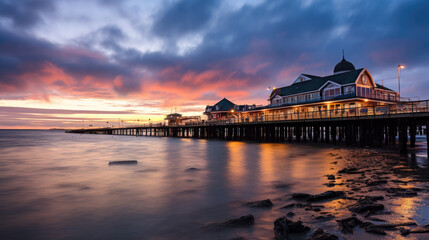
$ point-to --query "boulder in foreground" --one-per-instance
(318, 197)
(129, 162)
(325, 195)
(283, 227)
(260, 204)
(320, 234)
(242, 221)
(347, 225)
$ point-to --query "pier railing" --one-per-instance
(368, 95)
(386, 110)
(266, 117)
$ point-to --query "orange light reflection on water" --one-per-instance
(236, 169)
(405, 206)
(267, 155)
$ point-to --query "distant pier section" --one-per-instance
(397, 123)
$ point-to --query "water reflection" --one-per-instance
(236, 164)
(267, 155)
(65, 180)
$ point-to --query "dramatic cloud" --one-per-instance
(183, 17)
(25, 13)
(192, 53)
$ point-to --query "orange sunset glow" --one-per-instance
(112, 68)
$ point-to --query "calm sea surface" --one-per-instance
(55, 185)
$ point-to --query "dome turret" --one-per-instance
(344, 66)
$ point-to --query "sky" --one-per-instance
(68, 64)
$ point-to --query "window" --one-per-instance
(364, 92)
(330, 93)
(337, 91)
(315, 96)
(349, 89)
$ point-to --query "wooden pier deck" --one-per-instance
(367, 126)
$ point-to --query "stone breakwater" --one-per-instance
(364, 197)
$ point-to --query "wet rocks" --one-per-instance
(297, 227)
(404, 231)
(399, 181)
(347, 225)
(288, 206)
(283, 227)
(318, 197)
(367, 205)
(371, 199)
(316, 208)
(320, 234)
(260, 204)
(301, 205)
(394, 225)
(242, 221)
(370, 182)
(324, 218)
(375, 219)
(192, 169)
(374, 207)
(351, 170)
(239, 222)
(331, 177)
(374, 229)
(325, 195)
(424, 229)
(281, 185)
(127, 162)
(379, 228)
(403, 192)
(300, 196)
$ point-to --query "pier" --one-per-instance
(370, 126)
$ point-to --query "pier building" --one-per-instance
(225, 109)
(345, 91)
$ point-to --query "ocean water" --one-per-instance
(55, 185)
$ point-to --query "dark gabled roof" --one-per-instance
(383, 87)
(310, 76)
(346, 77)
(223, 105)
(317, 82)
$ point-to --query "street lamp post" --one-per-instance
(269, 92)
(400, 66)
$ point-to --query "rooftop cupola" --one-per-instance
(343, 66)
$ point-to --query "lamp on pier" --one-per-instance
(269, 92)
(400, 66)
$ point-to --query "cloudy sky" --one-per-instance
(68, 63)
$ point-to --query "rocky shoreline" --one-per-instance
(363, 194)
